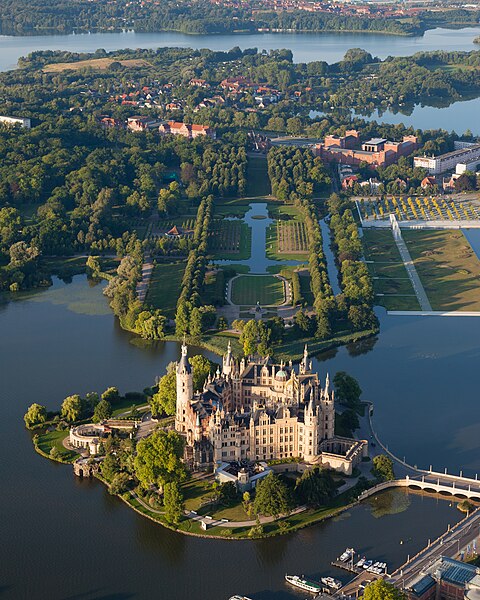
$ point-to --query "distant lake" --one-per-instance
(457, 117)
(306, 47)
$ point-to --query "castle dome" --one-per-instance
(281, 375)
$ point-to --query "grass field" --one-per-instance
(247, 290)
(286, 237)
(165, 286)
(214, 287)
(231, 207)
(448, 268)
(54, 439)
(94, 63)
(391, 284)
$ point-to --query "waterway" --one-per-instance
(457, 117)
(258, 220)
(63, 538)
(306, 47)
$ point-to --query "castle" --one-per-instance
(255, 410)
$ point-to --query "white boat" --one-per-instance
(239, 598)
(332, 583)
(367, 564)
(304, 584)
(361, 562)
(346, 555)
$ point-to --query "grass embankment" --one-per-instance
(54, 439)
(164, 287)
(195, 490)
(249, 289)
(391, 283)
(100, 64)
(448, 268)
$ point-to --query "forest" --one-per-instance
(19, 17)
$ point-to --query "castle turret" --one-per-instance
(304, 365)
(184, 389)
(228, 361)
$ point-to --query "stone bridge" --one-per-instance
(461, 487)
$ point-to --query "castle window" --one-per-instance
(291, 429)
(281, 429)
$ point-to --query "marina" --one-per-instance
(346, 561)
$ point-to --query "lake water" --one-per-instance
(457, 117)
(306, 47)
(65, 539)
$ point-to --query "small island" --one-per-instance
(257, 452)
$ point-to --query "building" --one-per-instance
(377, 152)
(448, 161)
(255, 410)
(446, 579)
(187, 130)
(13, 121)
(140, 123)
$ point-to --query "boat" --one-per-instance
(304, 584)
(332, 583)
(236, 597)
(361, 562)
(346, 555)
(367, 564)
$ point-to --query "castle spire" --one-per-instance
(327, 384)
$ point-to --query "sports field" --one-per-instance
(247, 290)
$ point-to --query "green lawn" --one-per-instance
(448, 268)
(54, 439)
(165, 286)
(230, 240)
(250, 289)
(214, 287)
(391, 283)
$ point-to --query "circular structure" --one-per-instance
(266, 290)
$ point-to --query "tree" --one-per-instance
(347, 389)
(383, 467)
(315, 487)
(109, 467)
(120, 483)
(102, 411)
(382, 590)
(173, 502)
(165, 400)
(228, 492)
(72, 408)
(201, 366)
(35, 415)
(21, 254)
(272, 497)
(159, 459)
(249, 337)
(93, 266)
(111, 394)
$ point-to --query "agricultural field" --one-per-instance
(419, 209)
(448, 268)
(94, 63)
(230, 240)
(291, 237)
(391, 283)
(247, 290)
(164, 287)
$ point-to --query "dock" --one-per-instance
(347, 566)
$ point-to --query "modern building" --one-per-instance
(377, 152)
(448, 161)
(12, 121)
(255, 410)
(446, 579)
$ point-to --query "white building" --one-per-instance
(448, 162)
(22, 121)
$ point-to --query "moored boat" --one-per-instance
(332, 583)
(236, 597)
(304, 584)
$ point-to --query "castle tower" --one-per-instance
(184, 389)
(304, 365)
(311, 430)
(228, 361)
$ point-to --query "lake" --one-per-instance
(65, 539)
(457, 117)
(306, 47)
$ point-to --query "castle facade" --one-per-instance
(255, 410)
